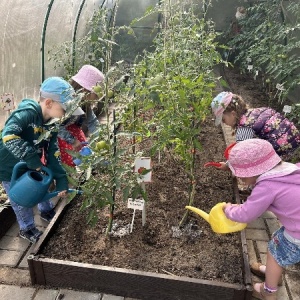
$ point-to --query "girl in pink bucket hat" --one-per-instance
(264, 123)
(87, 78)
(276, 189)
(71, 136)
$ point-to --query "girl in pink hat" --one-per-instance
(71, 135)
(87, 78)
(276, 189)
(264, 123)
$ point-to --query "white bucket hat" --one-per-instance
(219, 104)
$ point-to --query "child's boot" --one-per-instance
(260, 292)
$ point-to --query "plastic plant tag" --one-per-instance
(88, 173)
(255, 75)
(287, 109)
(279, 87)
(137, 204)
(250, 67)
(7, 102)
(142, 166)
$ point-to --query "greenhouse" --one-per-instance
(149, 149)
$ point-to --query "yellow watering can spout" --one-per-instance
(200, 212)
(217, 219)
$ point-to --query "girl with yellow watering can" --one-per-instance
(19, 143)
(276, 189)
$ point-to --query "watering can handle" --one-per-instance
(49, 173)
(15, 173)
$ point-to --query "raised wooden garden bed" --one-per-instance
(127, 282)
(7, 219)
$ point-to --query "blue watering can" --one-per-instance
(30, 187)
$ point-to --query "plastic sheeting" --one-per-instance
(21, 24)
(129, 46)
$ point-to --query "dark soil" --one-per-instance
(160, 246)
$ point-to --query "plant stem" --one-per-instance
(192, 188)
(110, 218)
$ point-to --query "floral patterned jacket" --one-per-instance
(272, 126)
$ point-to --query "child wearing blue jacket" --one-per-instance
(19, 143)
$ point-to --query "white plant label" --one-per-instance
(137, 204)
(287, 109)
(88, 173)
(141, 165)
(279, 87)
(256, 73)
(250, 67)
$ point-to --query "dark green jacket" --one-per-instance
(18, 143)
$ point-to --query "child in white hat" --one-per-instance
(87, 78)
(276, 188)
(264, 123)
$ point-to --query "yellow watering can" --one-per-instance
(217, 219)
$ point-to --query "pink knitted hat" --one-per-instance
(88, 76)
(219, 104)
(252, 157)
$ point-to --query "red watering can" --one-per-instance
(30, 187)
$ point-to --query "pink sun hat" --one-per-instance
(252, 157)
(88, 76)
(219, 104)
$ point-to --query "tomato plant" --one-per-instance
(173, 84)
(269, 43)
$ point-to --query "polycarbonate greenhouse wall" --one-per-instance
(29, 29)
(26, 24)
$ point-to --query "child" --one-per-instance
(277, 189)
(19, 143)
(264, 123)
(85, 80)
(71, 135)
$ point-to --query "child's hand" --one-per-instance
(77, 145)
(62, 193)
(229, 204)
(223, 167)
(218, 165)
